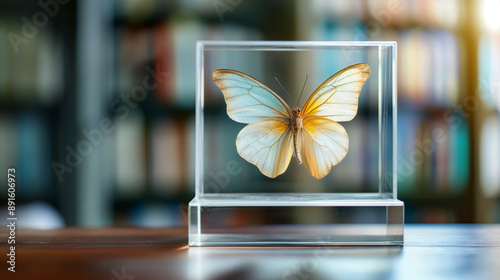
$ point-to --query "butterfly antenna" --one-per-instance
(284, 89)
(302, 91)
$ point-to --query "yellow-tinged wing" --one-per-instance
(247, 99)
(323, 143)
(337, 98)
(267, 143)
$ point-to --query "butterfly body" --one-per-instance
(275, 131)
(296, 127)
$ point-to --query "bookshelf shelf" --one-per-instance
(163, 17)
(153, 196)
(13, 108)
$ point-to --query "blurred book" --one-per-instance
(50, 68)
(163, 49)
(9, 149)
(167, 157)
(31, 72)
(191, 153)
(428, 66)
(433, 154)
(26, 147)
(408, 126)
(459, 156)
(4, 69)
(34, 155)
(490, 156)
(130, 155)
(134, 54)
(489, 70)
(184, 35)
(137, 9)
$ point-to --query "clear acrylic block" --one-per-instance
(355, 204)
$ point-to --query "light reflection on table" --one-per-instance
(430, 252)
(444, 252)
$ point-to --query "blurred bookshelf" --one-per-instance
(436, 131)
(154, 175)
(98, 60)
(436, 138)
(36, 74)
(485, 102)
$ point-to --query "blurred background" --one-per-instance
(95, 144)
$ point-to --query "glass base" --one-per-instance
(297, 219)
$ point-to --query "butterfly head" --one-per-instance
(296, 119)
(296, 112)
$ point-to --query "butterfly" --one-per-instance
(275, 131)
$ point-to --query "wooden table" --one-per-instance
(430, 252)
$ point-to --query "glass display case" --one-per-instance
(337, 188)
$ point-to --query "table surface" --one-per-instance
(430, 252)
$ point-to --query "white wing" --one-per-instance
(247, 99)
(268, 144)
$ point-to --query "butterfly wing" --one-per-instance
(267, 140)
(267, 143)
(247, 99)
(337, 98)
(323, 141)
